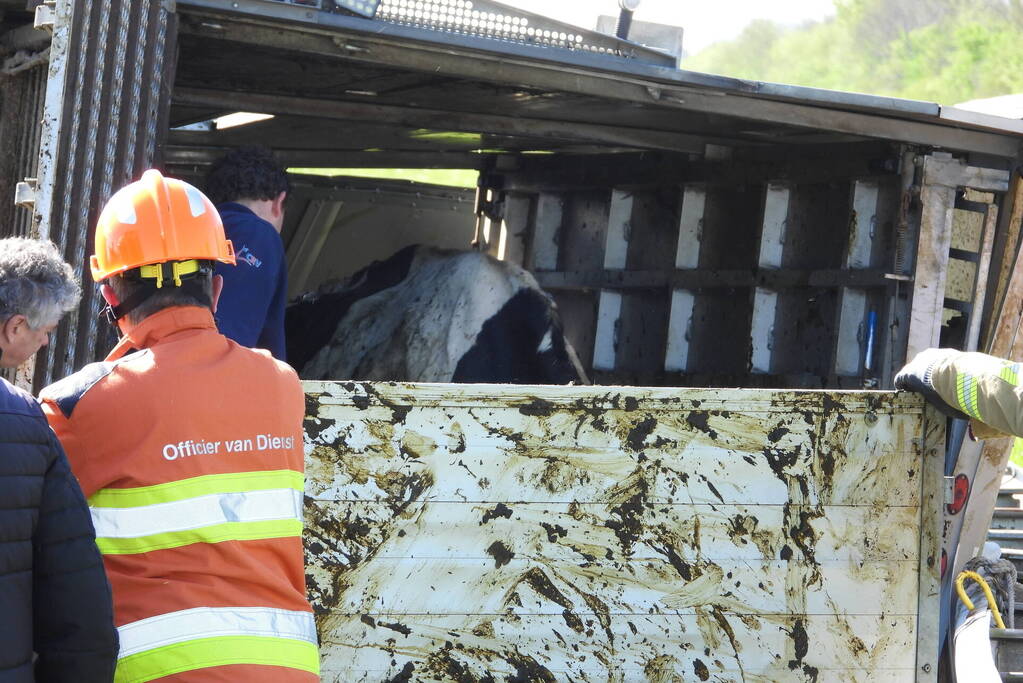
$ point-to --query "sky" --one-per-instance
(704, 22)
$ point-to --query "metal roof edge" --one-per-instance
(928, 112)
(980, 120)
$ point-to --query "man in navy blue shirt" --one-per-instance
(249, 187)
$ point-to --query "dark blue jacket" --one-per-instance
(54, 595)
(251, 308)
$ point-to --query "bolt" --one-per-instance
(870, 418)
(927, 668)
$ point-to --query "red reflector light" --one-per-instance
(960, 493)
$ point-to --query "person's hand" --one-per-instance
(916, 377)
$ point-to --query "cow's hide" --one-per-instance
(432, 315)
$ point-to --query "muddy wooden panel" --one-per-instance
(713, 645)
(681, 453)
(599, 533)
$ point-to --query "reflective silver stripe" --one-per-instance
(210, 622)
(195, 513)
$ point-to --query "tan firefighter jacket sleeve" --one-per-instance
(986, 388)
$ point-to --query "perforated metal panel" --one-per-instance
(493, 20)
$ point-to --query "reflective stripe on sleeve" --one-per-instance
(209, 509)
(216, 636)
(1011, 373)
(966, 394)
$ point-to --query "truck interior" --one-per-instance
(694, 230)
(587, 178)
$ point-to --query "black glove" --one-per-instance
(916, 377)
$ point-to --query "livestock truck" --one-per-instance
(695, 231)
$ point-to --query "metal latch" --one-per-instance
(949, 489)
(44, 16)
(25, 193)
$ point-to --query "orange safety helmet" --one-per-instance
(157, 220)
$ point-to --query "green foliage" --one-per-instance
(942, 50)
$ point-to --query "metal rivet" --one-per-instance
(870, 418)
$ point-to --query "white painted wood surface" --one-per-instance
(616, 243)
(605, 341)
(680, 324)
(690, 227)
(687, 256)
(765, 301)
(765, 308)
(602, 533)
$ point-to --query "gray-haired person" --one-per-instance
(56, 619)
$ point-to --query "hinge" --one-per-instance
(25, 193)
(44, 16)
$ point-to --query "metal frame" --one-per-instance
(598, 75)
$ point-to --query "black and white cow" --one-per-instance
(432, 315)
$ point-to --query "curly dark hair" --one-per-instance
(246, 173)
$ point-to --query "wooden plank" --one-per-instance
(600, 648)
(314, 228)
(853, 304)
(772, 240)
(765, 306)
(765, 301)
(687, 256)
(852, 332)
(680, 324)
(619, 228)
(515, 229)
(957, 173)
(645, 585)
(611, 304)
(864, 225)
(1007, 243)
(564, 533)
(932, 528)
(690, 228)
(547, 232)
(931, 267)
(605, 345)
(980, 279)
(565, 456)
(704, 278)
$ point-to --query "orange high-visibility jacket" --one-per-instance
(189, 449)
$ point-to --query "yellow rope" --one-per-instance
(987, 593)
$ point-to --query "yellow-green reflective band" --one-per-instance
(210, 484)
(1017, 448)
(223, 651)
(1011, 374)
(966, 394)
(217, 533)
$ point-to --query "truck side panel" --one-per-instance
(551, 533)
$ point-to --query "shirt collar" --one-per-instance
(234, 206)
(161, 325)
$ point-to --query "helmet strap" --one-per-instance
(152, 279)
